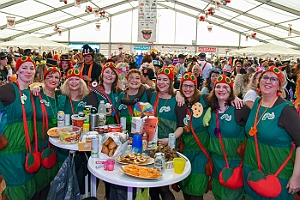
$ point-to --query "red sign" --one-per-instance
(207, 49)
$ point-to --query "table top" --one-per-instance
(119, 178)
(56, 142)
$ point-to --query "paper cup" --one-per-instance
(179, 164)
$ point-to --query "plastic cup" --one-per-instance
(179, 164)
(137, 144)
(109, 165)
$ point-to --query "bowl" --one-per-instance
(69, 134)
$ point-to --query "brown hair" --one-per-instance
(115, 83)
(39, 73)
(134, 71)
(208, 80)
(194, 99)
(214, 102)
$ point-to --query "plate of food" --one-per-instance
(140, 172)
(133, 158)
(53, 132)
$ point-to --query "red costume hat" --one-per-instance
(166, 71)
(22, 60)
(189, 77)
(224, 79)
(52, 69)
(109, 65)
(74, 72)
(275, 70)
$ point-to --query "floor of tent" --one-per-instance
(178, 195)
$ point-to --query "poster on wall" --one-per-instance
(147, 20)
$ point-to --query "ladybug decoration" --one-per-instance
(65, 1)
(253, 35)
(56, 28)
(201, 18)
(290, 30)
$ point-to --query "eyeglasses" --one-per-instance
(186, 86)
(272, 79)
(224, 87)
(215, 75)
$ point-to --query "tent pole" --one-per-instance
(240, 37)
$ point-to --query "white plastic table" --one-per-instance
(72, 148)
(118, 178)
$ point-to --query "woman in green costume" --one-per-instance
(46, 106)
(195, 185)
(136, 92)
(226, 130)
(170, 119)
(272, 126)
(108, 91)
(19, 183)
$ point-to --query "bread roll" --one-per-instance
(111, 153)
(107, 142)
(104, 149)
(112, 145)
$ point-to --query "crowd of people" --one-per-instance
(236, 149)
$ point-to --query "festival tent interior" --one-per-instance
(229, 23)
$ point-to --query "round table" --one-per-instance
(118, 178)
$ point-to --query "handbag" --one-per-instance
(48, 154)
(266, 185)
(33, 159)
(228, 177)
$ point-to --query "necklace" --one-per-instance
(72, 106)
(54, 118)
(253, 129)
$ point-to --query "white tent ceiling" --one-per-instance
(270, 19)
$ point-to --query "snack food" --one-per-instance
(53, 132)
(109, 147)
(169, 153)
(141, 172)
(69, 135)
(132, 158)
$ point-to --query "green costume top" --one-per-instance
(95, 98)
(19, 183)
(169, 115)
(69, 106)
(196, 183)
(274, 146)
(44, 176)
(127, 110)
(233, 135)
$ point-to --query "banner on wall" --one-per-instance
(207, 49)
(142, 47)
(147, 17)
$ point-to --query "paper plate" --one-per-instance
(141, 177)
(53, 132)
(148, 162)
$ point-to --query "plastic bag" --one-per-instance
(142, 195)
(65, 185)
(119, 151)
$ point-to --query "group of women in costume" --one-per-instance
(222, 142)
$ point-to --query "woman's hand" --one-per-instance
(179, 99)
(36, 90)
(293, 184)
(238, 103)
(162, 142)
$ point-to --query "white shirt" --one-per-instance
(206, 70)
(250, 95)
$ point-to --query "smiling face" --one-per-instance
(134, 81)
(163, 83)
(222, 91)
(26, 72)
(269, 84)
(74, 83)
(109, 76)
(51, 80)
(214, 77)
(87, 58)
(64, 65)
(188, 89)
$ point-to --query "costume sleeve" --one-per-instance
(180, 113)
(241, 115)
(7, 94)
(92, 99)
(290, 121)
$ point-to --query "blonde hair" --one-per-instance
(83, 90)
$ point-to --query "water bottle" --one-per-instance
(102, 113)
(137, 143)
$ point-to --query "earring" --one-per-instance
(278, 93)
(258, 90)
